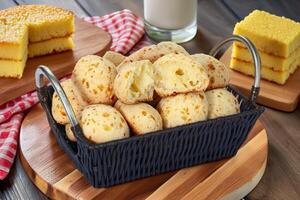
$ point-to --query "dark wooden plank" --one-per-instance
(102, 7)
(281, 179)
(68, 4)
(214, 23)
(279, 7)
(7, 3)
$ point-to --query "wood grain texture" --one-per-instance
(7, 4)
(95, 7)
(88, 39)
(56, 176)
(182, 183)
(280, 97)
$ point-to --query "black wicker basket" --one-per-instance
(136, 157)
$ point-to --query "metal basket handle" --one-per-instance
(45, 71)
(255, 57)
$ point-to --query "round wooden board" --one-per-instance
(281, 97)
(88, 39)
(53, 173)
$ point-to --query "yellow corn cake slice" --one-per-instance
(45, 22)
(270, 33)
(12, 68)
(50, 46)
(13, 41)
(276, 63)
(13, 50)
(49, 29)
(279, 77)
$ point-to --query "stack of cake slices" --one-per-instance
(32, 30)
(277, 40)
(13, 49)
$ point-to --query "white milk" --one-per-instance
(170, 14)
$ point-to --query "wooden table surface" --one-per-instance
(216, 19)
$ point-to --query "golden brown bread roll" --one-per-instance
(141, 117)
(94, 76)
(103, 123)
(183, 109)
(70, 133)
(178, 73)
(154, 52)
(114, 57)
(221, 103)
(218, 73)
(134, 82)
(76, 101)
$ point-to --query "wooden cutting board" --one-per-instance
(88, 39)
(53, 173)
(281, 97)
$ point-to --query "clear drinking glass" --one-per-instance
(174, 20)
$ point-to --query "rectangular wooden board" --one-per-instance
(280, 97)
(56, 176)
(88, 39)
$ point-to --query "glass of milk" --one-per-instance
(173, 20)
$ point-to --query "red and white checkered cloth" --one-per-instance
(126, 30)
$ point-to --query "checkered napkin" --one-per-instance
(127, 31)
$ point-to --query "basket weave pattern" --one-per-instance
(136, 157)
